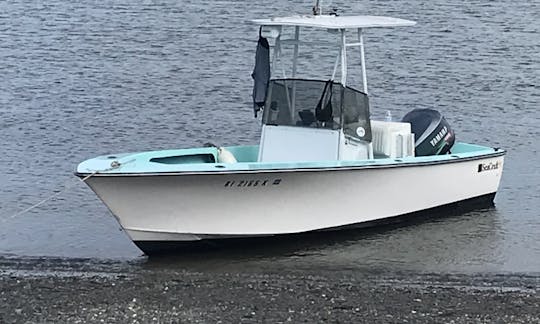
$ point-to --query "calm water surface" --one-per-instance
(85, 78)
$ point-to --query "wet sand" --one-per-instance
(44, 291)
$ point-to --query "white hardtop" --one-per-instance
(335, 22)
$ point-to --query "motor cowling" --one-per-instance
(433, 134)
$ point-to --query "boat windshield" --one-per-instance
(317, 104)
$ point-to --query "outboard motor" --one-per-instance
(433, 135)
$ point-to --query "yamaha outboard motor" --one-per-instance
(433, 134)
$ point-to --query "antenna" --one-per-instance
(317, 11)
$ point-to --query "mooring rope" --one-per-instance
(114, 165)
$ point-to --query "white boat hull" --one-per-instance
(196, 206)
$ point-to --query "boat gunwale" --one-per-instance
(372, 165)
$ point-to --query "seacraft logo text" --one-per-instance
(482, 167)
(252, 183)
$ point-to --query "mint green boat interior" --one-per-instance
(197, 160)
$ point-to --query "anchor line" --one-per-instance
(114, 165)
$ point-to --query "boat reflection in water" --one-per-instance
(458, 240)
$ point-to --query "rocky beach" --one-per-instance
(86, 291)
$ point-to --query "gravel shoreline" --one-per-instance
(39, 291)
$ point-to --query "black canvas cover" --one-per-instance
(261, 74)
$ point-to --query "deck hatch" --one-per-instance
(186, 159)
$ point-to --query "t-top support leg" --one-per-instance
(362, 59)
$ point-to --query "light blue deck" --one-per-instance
(189, 160)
